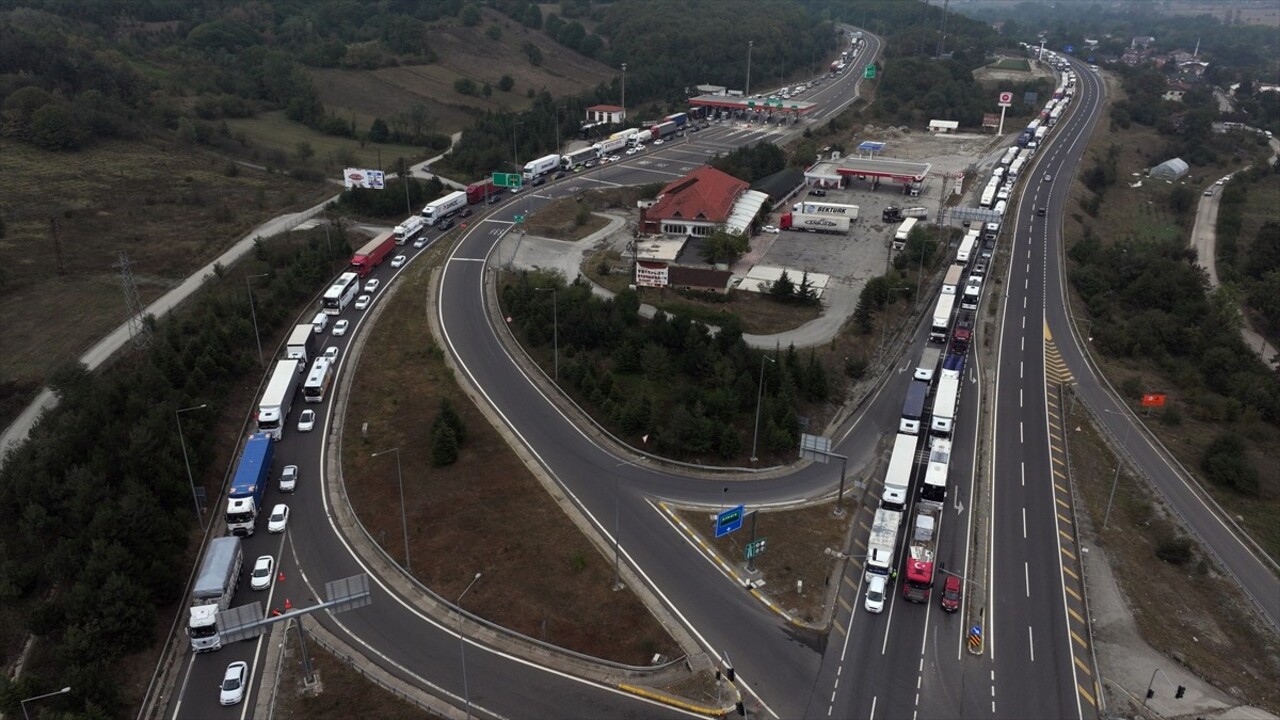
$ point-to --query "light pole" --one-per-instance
(747, 91)
(462, 647)
(755, 438)
(555, 328)
(404, 525)
(248, 283)
(1106, 517)
(624, 94)
(63, 691)
(177, 415)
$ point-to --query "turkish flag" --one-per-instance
(1153, 400)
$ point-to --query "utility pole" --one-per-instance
(747, 91)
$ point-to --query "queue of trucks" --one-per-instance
(216, 584)
(437, 210)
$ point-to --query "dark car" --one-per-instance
(1040, 210)
(559, 175)
(464, 212)
(538, 180)
(446, 224)
(495, 199)
(818, 193)
(951, 594)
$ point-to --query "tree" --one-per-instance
(470, 15)
(505, 83)
(465, 86)
(724, 246)
(448, 415)
(378, 131)
(784, 288)
(444, 446)
(534, 54)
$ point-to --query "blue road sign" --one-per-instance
(1070, 48)
(729, 520)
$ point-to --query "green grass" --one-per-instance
(276, 132)
(1011, 64)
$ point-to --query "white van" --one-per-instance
(877, 588)
(319, 322)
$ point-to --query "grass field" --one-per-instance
(1017, 64)
(172, 209)
(275, 132)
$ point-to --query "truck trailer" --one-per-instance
(301, 344)
(437, 210)
(578, 158)
(480, 191)
(913, 407)
(952, 280)
(942, 420)
(639, 138)
(897, 479)
(922, 550)
(273, 408)
(941, 326)
(543, 165)
(608, 147)
(814, 223)
(928, 364)
(249, 484)
(663, 130)
(373, 253)
(903, 232)
(409, 229)
(810, 207)
(883, 541)
(215, 586)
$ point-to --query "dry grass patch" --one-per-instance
(541, 577)
(1189, 612)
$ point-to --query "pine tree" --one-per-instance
(444, 446)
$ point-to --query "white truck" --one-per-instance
(215, 585)
(814, 223)
(640, 137)
(301, 344)
(406, 230)
(538, 168)
(276, 401)
(972, 293)
(951, 282)
(809, 207)
(437, 210)
(608, 147)
(883, 541)
(944, 404)
(928, 364)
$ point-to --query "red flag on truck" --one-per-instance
(1153, 400)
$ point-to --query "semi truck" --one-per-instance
(249, 484)
(943, 417)
(922, 550)
(814, 223)
(301, 344)
(663, 130)
(941, 326)
(928, 363)
(373, 253)
(624, 134)
(215, 586)
(913, 407)
(608, 147)
(543, 165)
(883, 541)
(437, 210)
(639, 138)
(273, 408)
(934, 488)
(680, 119)
(480, 191)
(578, 158)
(897, 480)
(952, 279)
(962, 336)
(903, 232)
(809, 207)
(893, 213)
(972, 293)
(408, 229)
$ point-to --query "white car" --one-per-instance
(289, 479)
(1048, 177)
(330, 354)
(260, 578)
(233, 682)
(631, 151)
(421, 242)
(659, 141)
(363, 301)
(770, 229)
(398, 261)
(877, 589)
(615, 158)
(340, 327)
(307, 421)
(372, 285)
(279, 518)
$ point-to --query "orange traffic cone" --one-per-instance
(275, 612)
(288, 605)
(280, 577)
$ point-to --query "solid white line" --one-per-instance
(1031, 643)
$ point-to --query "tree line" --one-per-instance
(692, 393)
(100, 509)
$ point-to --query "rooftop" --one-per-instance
(705, 194)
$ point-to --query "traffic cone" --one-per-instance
(280, 577)
(275, 612)
(288, 605)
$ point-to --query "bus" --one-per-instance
(341, 293)
(965, 252)
(318, 379)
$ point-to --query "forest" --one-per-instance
(692, 394)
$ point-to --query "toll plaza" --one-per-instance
(739, 105)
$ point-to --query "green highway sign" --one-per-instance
(519, 219)
(751, 103)
(870, 72)
(506, 180)
(755, 548)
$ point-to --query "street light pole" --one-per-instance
(755, 439)
(1115, 479)
(404, 525)
(624, 94)
(248, 283)
(63, 691)
(177, 415)
(750, 44)
(462, 648)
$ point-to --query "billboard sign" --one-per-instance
(1006, 99)
(368, 179)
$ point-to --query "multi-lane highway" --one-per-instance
(910, 660)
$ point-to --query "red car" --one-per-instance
(951, 594)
